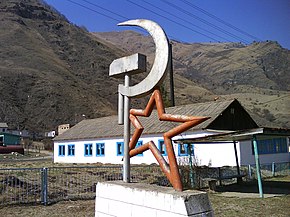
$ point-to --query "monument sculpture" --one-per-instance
(120, 199)
(127, 66)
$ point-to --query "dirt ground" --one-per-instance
(244, 199)
(223, 207)
(80, 208)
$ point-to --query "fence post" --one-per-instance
(44, 186)
(191, 173)
(273, 169)
(250, 171)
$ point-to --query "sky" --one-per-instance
(192, 21)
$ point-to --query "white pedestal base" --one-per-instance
(120, 199)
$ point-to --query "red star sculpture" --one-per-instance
(171, 168)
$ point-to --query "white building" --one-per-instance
(62, 128)
(101, 139)
(50, 134)
(3, 127)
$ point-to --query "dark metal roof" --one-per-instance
(107, 127)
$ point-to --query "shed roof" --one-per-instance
(107, 127)
(3, 125)
(241, 135)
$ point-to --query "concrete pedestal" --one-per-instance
(120, 199)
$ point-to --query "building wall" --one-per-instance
(204, 154)
(247, 156)
(3, 129)
(110, 152)
(62, 128)
(209, 154)
(216, 154)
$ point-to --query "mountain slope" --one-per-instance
(218, 66)
(52, 72)
(258, 74)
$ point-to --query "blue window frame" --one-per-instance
(185, 150)
(71, 150)
(139, 143)
(162, 147)
(271, 146)
(88, 150)
(100, 149)
(61, 150)
(120, 148)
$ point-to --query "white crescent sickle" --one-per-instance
(157, 73)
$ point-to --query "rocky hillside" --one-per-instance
(53, 72)
(219, 67)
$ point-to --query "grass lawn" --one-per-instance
(234, 206)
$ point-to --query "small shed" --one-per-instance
(3, 127)
(7, 139)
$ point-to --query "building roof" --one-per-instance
(107, 127)
(241, 135)
(3, 125)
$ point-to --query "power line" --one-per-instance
(112, 18)
(237, 63)
(172, 20)
(237, 29)
(186, 21)
(83, 6)
(224, 22)
(94, 4)
(205, 21)
(98, 6)
(220, 20)
(118, 20)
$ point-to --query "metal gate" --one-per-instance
(21, 186)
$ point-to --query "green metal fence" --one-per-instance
(20, 186)
(269, 170)
(197, 176)
(50, 185)
(53, 184)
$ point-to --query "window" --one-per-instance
(61, 150)
(185, 149)
(271, 146)
(162, 147)
(100, 149)
(182, 149)
(71, 150)
(139, 143)
(88, 150)
(120, 148)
